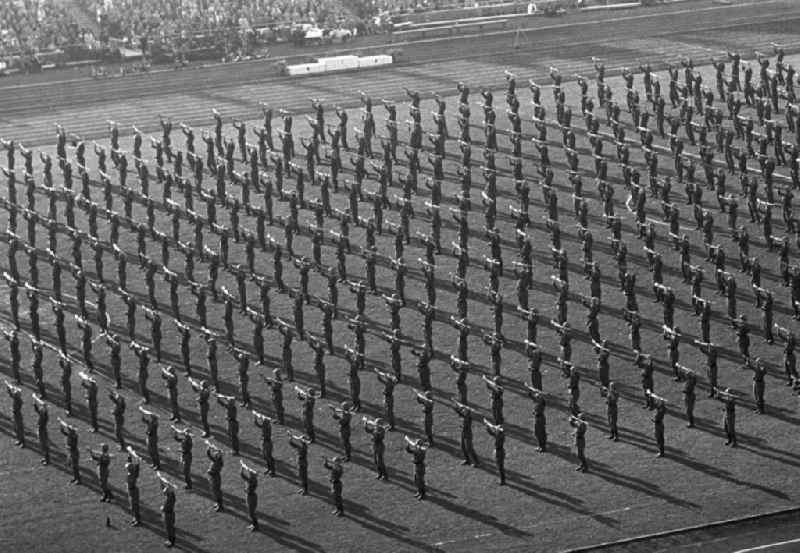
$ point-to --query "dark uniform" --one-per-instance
(580, 441)
(118, 412)
(689, 385)
(168, 513)
(540, 422)
(378, 447)
(417, 451)
(214, 472)
(426, 400)
(90, 387)
(171, 383)
(470, 457)
(73, 458)
(646, 365)
(102, 459)
(66, 383)
(276, 387)
(151, 438)
(334, 467)
(612, 401)
(184, 437)
(300, 443)
(131, 480)
(343, 415)
(309, 400)
(143, 353)
(203, 394)
(265, 424)
(41, 430)
(250, 478)
(115, 355)
(759, 372)
(389, 382)
(658, 426)
(229, 402)
(16, 409)
(496, 430)
(729, 418)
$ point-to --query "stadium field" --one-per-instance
(546, 506)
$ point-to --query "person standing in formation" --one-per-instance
(335, 470)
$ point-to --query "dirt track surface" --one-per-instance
(546, 506)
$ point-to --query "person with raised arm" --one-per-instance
(40, 407)
(377, 428)
(231, 413)
(89, 385)
(168, 508)
(216, 461)
(335, 470)
(300, 443)
(15, 393)
(150, 420)
(466, 413)
(102, 459)
(418, 449)
(578, 423)
(71, 445)
(171, 383)
(184, 437)
(264, 423)
(498, 433)
(203, 390)
(343, 414)
(132, 484)
(250, 477)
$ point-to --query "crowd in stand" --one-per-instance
(28, 26)
(32, 27)
(209, 28)
(180, 24)
(131, 19)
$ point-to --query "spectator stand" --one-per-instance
(43, 34)
(219, 29)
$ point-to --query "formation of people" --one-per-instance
(733, 131)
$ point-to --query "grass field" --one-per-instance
(546, 506)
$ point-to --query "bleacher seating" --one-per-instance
(194, 23)
(34, 33)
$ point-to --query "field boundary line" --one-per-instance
(683, 530)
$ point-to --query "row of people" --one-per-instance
(271, 160)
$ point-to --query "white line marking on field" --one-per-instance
(768, 546)
(541, 522)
